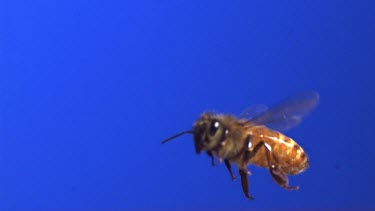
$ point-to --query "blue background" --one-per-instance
(90, 88)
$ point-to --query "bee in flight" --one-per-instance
(253, 139)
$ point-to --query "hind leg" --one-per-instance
(277, 175)
(281, 178)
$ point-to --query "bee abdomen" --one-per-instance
(290, 156)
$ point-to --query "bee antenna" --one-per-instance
(177, 135)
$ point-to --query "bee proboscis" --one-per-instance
(254, 140)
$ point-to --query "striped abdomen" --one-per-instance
(285, 152)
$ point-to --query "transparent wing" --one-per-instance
(287, 113)
(253, 111)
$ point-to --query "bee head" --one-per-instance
(208, 132)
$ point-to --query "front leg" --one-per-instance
(212, 158)
(229, 167)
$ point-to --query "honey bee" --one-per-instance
(252, 139)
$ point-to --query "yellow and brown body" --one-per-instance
(236, 139)
(290, 157)
(251, 141)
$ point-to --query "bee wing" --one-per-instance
(253, 111)
(287, 113)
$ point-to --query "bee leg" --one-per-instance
(281, 178)
(277, 175)
(245, 184)
(212, 158)
(229, 167)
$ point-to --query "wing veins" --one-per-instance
(287, 113)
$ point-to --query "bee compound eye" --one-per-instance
(215, 125)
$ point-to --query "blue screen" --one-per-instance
(89, 89)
